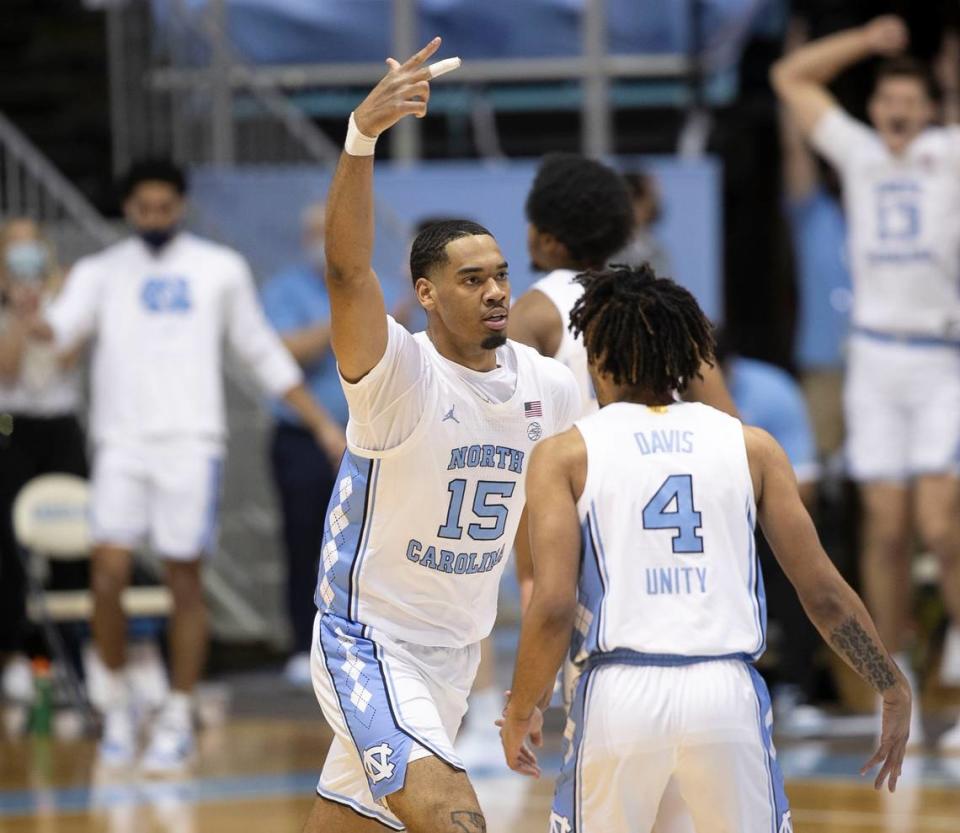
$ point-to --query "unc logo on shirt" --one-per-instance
(166, 294)
(376, 762)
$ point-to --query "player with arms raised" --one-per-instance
(901, 183)
(428, 499)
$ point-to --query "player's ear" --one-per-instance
(426, 293)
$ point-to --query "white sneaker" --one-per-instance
(297, 671)
(950, 740)
(118, 743)
(18, 680)
(171, 748)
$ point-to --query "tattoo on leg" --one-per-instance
(468, 821)
(855, 643)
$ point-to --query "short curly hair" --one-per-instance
(584, 204)
(429, 247)
(153, 170)
(644, 331)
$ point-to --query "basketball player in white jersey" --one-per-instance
(579, 214)
(642, 522)
(161, 306)
(428, 499)
(901, 183)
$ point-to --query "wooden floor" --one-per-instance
(258, 774)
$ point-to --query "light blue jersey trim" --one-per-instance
(358, 808)
(345, 535)
(208, 537)
(568, 798)
(371, 500)
(779, 805)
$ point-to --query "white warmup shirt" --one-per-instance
(667, 514)
(159, 325)
(903, 215)
(429, 495)
(561, 288)
(43, 388)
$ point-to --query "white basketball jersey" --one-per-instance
(417, 536)
(669, 572)
(561, 288)
(903, 216)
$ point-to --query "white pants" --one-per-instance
(165, 492)
(703, 728)
(388, 703)
(902, 409)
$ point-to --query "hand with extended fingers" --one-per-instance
(403, 91)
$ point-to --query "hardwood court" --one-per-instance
(258, 774)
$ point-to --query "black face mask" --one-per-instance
(156, 238)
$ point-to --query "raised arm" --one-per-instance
(801, 77)
(358, 314)
(830, 603)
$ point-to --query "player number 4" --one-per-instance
(672, 508)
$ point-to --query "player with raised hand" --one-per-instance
(901, 184)
(428, 499)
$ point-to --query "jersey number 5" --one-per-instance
(672, 508)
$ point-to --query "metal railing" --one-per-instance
(31, 186)
(203, 93)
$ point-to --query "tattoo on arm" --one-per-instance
(468, 821)
(867, 659)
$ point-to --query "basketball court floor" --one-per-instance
(256, 772)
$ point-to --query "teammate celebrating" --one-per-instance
(641, 520)
(428, 498)
(901, 184)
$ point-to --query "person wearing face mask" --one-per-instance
(296, 304)
(901, 187)
(39, 431)
(160, 307)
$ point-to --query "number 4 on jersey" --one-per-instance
(672, 508)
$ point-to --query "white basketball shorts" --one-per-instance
(388, 703)
(165, 492)
(633, 729)
(902, 409)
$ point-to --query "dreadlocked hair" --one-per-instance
(645, 332)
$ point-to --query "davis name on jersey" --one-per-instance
(667, 513)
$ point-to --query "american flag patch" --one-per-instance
(532, 409)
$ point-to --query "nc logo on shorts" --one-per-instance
(376, 761)
(560, 824)
(786, 825)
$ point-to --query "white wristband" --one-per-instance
(356, 144)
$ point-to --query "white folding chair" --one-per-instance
(51, 523)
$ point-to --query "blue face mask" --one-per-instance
(26, 260)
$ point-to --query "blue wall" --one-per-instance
(258, 210)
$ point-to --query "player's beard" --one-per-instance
(492, 342)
